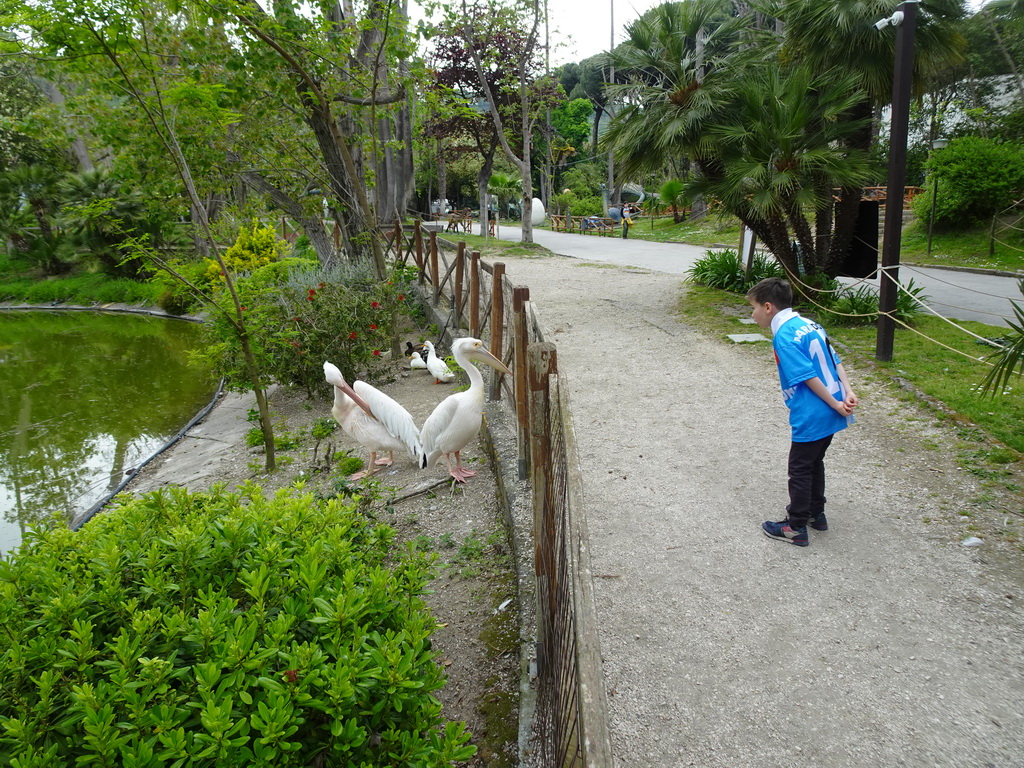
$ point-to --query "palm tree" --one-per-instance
(779, 151)
(504, 187)
(98, 216)
(1009, 359)
(32, 191)
(671, 195)
(840, 35)
(693, 74)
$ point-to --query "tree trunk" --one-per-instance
(312, 226)
(483, 177)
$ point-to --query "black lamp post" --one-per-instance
(905, 21)
(936, 144)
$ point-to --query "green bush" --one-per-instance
(220, 629)
(976, 179)
(588, 206)
(299, 314)
(851, 306)
(723, 270)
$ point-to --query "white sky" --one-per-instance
(582, 28)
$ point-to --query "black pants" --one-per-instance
(806, 480)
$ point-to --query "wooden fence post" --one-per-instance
(474, 294)
(521, 295)
(497, 324)
(543, 363)
(417, 236)
(460, 272)
(434, 278)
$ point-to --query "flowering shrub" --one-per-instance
(299, 314)
(223, 629)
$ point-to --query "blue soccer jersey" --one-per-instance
(802, 352)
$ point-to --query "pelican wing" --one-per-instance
(396, 420)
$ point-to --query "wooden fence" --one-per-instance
(480, 299)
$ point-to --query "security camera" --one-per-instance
(895, 20)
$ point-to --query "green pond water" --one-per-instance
(86, 397)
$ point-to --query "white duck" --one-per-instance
(415, 361)
(436, 365)
(373, 420)
(456, 420)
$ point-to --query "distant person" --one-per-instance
(627, 219)
(820, 399)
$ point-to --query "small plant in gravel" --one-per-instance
(223, 629)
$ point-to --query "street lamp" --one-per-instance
(936, 144)
(905, 21)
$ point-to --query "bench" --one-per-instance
(594, 225)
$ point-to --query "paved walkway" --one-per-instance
(884, 643)
(961, 295)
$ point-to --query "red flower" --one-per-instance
(295, 319)
(375, 305)
(376, 353)
(243, 309)
(291, 675)
(352, 335)
(323, 285)
(401, 297)
(373, 327)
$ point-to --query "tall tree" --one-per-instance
(484, 28)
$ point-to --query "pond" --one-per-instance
(85, 397)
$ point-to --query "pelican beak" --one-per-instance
(484, 356)
(355, 398)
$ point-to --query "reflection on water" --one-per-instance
(84, 398)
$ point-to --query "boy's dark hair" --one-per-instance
(773, 290)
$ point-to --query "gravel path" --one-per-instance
(884, 643)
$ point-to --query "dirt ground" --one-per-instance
(474, 593)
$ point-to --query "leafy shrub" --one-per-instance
(859, 306)
(221, 629)
(255, 247)
(174, 296)
(976, 178)
(588, 206)
(723, 270)
(299, 314)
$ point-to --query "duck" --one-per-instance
(437, 367)
(374, 420)
(415, 361)
(457, 419)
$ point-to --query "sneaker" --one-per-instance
(818, 522)
(783, 532)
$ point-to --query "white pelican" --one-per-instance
(415, 361)
(373, 420)
(456, 420)
(436, 365)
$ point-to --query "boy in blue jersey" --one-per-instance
(817, 392)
